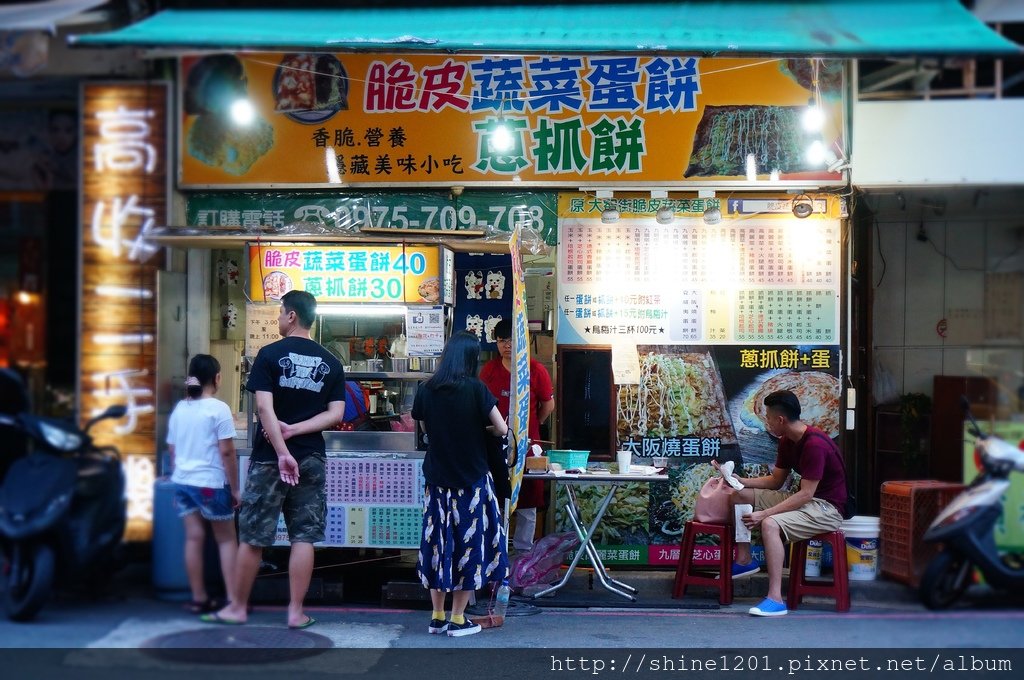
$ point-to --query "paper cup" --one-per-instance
(623, 459)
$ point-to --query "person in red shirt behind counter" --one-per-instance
(497, 375)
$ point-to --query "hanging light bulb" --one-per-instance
(816, 153)
(610, 215)
(712, 216)
(814, 118)
(665, 215)
(242, 111)
(501, 138)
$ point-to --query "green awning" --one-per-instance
(846, 28)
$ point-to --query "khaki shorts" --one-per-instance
(812, 518)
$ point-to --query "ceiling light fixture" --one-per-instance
(665, 213)
(609, 215)
(712, 214)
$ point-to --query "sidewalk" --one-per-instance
(882, 615)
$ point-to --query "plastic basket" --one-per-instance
(569, 458)
(908, 508)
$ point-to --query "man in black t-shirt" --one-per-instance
(300, 392)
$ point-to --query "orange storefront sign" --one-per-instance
(270, 119)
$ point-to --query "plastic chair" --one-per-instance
(685, 576)
(838, 588)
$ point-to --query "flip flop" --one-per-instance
(204, 607)
(217, 618)
(306, 624)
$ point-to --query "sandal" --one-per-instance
(210, 605)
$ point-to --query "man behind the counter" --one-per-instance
(811, 510)
(300, 392)
(497, 375)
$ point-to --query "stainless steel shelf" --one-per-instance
(384, 375)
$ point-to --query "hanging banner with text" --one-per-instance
(124, 195)
(312, 119)
(428, 210)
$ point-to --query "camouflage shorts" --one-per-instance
(266, 497)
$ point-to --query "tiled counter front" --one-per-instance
(374, 500)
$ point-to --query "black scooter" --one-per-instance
(965, 528)
(62, 502)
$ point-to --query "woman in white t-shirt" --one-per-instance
(200, 440)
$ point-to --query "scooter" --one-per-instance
(966, 527)
(62, 503)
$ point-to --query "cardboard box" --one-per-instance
(537, 463)
(543, 348)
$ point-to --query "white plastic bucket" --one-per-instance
(861, 547)
(812, 565)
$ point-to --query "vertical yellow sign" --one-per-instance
(519, 402)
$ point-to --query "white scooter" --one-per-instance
(965, 528)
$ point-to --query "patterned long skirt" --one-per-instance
(462, 546)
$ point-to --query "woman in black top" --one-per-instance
(463, 542)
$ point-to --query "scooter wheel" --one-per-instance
(28, 582)
(945, 580)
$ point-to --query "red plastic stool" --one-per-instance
(839, 588)
(685, 575)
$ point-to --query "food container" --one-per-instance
(374, 365)
(569, 458)
(358, 366)
(399, 365)
(424, 364)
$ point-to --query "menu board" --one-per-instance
(764, 281)
(719, 316)
(376, 273)
(371, 503)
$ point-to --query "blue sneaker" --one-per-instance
(769, 607)
(742, 570)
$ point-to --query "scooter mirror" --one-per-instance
(966, 406)
(116, 411)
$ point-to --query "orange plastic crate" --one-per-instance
(908, 508)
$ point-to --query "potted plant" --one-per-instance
(915, 408)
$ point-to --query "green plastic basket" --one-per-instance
(569, 458)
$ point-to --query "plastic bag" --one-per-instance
(543, 562)
(712, 504)
(884, 390)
